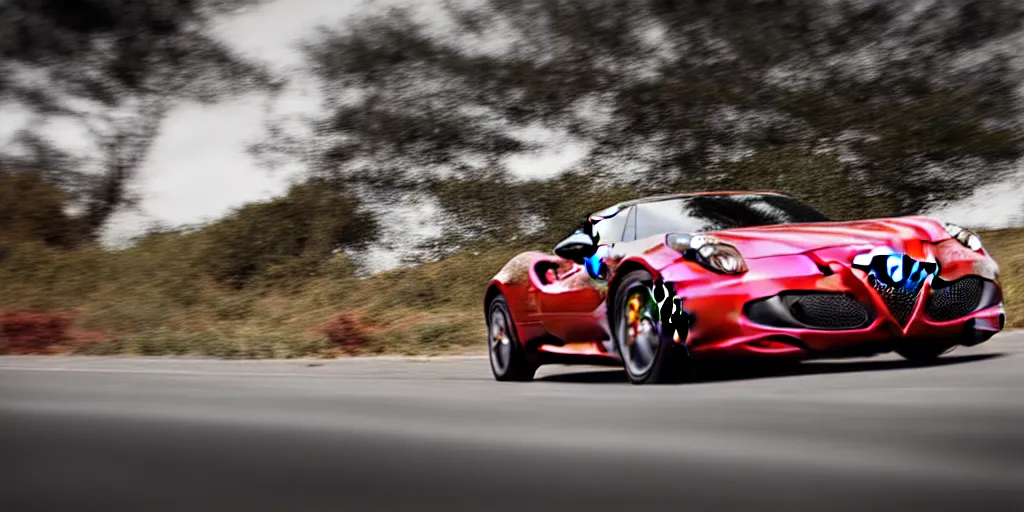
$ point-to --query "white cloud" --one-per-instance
(993, 206)
(198, 169)
(557, 152)
(13, 118)
(272, 31)
(549, 161)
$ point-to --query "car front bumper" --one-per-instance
(722, 325)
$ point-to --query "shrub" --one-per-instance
(289, 237)
(32, 332)
(32, 209)
(346, 332)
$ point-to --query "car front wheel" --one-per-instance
(648, 352)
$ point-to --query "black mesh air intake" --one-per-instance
(899, 301)
(957, 299)
(829, 311)
(809, 310)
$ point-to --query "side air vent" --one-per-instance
(956, 299)
(809, 310)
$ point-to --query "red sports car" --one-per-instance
(662, 282)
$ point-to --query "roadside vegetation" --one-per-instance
(264, 283)
(1007, 247)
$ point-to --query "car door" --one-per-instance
(569, 304)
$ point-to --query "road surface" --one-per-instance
(394, 434)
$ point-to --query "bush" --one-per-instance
(32, 332)
(287, 238)
(345, 331)
(31, 209)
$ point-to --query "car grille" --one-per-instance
(829, 311)
(899, 301)
(959, 299)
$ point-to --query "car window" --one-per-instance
(630, 233)
(696, 214)
(610, 229)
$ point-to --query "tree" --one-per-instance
(116, 67)
(871, 106)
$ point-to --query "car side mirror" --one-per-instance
(577, 247)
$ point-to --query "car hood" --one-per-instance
(786, 239)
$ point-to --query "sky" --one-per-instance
(199, 169)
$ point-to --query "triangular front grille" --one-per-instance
(900, 301)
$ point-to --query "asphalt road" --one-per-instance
(376, 434)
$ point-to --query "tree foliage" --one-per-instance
(33, 210)
(480, 207)
(294, 233)
(867, 107)
(115, 68)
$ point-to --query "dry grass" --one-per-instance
(1007, 247)
(154, 299)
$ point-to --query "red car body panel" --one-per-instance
(567, 315)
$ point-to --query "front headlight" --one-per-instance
(968, 238)
(710, 252)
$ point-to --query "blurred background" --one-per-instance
(284, 178)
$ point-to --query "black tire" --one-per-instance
(664, 361)
(508, 361)
(921, 352)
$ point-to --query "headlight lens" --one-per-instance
(968, 238)
(710, 252)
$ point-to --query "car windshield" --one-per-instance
(717, 212)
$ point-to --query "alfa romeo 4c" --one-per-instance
(661, 283)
